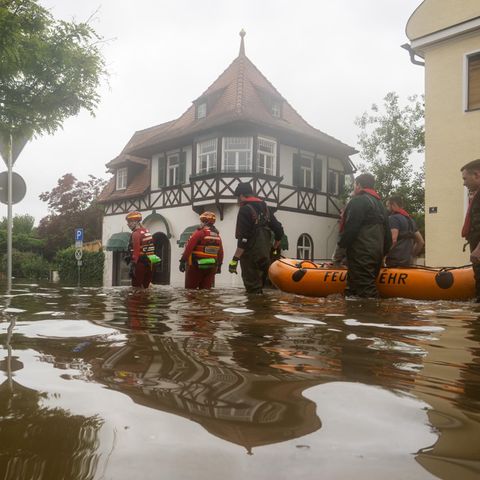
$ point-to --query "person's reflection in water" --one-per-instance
(387, 348)
(144, 312)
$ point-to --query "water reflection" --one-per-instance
(274, 371)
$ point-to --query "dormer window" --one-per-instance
(276, 109)
(202, 110)
(121, 178)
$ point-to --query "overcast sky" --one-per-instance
(329, 60)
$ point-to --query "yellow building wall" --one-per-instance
(434, 15)
(452, 138)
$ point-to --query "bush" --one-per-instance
(27, 265)
(91, 271)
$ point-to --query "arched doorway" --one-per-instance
(161, 275)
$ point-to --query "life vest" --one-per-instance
(147, 246)
(205, 253)
(146, 243)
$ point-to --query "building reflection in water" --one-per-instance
(38, 442)
(181, 377)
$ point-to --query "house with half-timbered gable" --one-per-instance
(240, 129)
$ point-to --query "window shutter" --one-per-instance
(183, 167)
(331, 182)
(296, 170)
(161, 171)
(318, 165)
(341, 184)
(474, 82)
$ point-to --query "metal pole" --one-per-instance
(9, 213)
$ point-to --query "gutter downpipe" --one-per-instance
(412, 53)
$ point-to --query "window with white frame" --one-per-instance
(305, 247)
(266, 155)
(473, 82)
(306, 172)
(336, 182)
(207, 156)
(121, 178)
(173, 169)
(237, 154)
(276, 109)
(202, 110)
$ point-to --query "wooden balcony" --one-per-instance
(218, 188)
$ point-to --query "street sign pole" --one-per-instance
(9, 214)
(78, 250)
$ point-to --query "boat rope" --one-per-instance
(328, 263)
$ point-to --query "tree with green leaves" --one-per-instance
(389, 136)
(72, 204)
(49, 69)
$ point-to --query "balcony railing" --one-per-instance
(220, 187)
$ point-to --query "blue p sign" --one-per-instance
(78, 236)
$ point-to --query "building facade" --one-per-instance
(446, 35)
(240, 129)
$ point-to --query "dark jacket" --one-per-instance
(473, 236)
(254, 213)
(364, 210)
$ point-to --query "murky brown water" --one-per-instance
(117, 384)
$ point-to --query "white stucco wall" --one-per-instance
(323, 231)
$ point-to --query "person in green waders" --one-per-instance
(254, 229)
(365, 235)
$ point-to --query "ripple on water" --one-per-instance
(236, 310)
(419, 328)
(298, 319)
(60, 329)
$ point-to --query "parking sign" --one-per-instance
(78, 237)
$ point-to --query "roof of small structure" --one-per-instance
(240, 93)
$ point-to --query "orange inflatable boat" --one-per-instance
(304, 277)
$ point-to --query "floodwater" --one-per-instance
(173, 384)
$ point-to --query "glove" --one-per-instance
(275, 254)
(182, 266)
(131, 270)
(219, 269)
(232, 265)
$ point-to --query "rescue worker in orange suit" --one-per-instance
(140, 247)
(256, 225)
(203, 255)
(471, 226)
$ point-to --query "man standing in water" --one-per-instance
(366, 237)
(471, 226)
(407, 241)
(255, 224)
(140, 248)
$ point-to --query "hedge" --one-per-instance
(27, 265)
(91, 271)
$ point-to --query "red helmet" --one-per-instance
(134, 217)
(208, 217)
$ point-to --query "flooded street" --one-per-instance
(174, 384)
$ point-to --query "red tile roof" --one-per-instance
(239, 90)
(238, 94)
(136, 188)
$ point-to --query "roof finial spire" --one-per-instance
(242, 43)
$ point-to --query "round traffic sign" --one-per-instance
(18, 187)
(78, 253)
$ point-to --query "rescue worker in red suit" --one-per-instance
(203, 255)
(140, 247)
